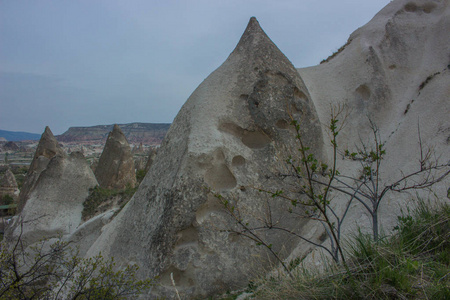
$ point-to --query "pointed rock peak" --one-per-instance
(47, 148)
(47, 131)
(117, 134)
(253, 26)
(116, 128)
(48, 145)
(116, 165)
(257, 51)
(253, 37)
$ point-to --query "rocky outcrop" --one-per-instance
(227, 136)
(138, 149)
(47, 148)
(115, 169)
(394, 70)
(8, 185)
(151, 158)
(55, 204)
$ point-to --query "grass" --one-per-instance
(413, 263)
(335, 53)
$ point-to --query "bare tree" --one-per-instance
(369, 189)
(310, 198)
(316, 184)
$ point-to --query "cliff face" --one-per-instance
(146, 133)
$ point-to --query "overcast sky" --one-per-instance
(91, 62)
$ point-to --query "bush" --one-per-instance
(140, 174)
(55, 271)
(98, 196)
(7, 200)
(411, 264)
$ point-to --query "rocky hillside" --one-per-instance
(146, 133)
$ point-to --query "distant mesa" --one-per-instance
(115, 169)
(136, 133)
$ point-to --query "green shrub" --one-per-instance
(140, 174)
(411, 264)
(7, 199)
(98, 196)
(54, 270)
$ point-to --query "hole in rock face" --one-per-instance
(392, 67)
(363, 92)
(220, 177)
(299, 94)
(282, 124)
(428, 7)
(299, 99)
(187, 236)
(251, 139)
(238, 161)
(231, 129)
(255, 139)
(411, 7)
(210, 207)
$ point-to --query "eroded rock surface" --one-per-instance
(55, 204)
(394, 70)
(115, 169)
(226, 136)
(47, 148)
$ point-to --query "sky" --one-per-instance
(95, 62)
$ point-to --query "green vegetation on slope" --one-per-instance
(414, 263)
(98, 196)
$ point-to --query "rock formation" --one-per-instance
(138, 149)
(115, 169)
(10, 146)
(56, 201)
(229, 133)
(226, 136)
(151, 158)
(395, 70)
(47, 148)
(8, 185)
(233, 134)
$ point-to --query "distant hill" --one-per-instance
(19, 136)
(146, 133)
